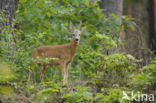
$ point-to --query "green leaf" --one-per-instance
(87, 3)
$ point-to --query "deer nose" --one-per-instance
(76, 39)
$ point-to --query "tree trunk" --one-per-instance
(116, 7)
(7, 12)
(138, 47)
(112, 6)
(127, 8)
(151, 25)
(155, 14)
(9, 7)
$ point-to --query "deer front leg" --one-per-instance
(66, 72)
(63, 70)
(42, 72)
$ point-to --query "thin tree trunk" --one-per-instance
(155, 14)
(151, 29)
(128, 11)
(136, 36)
(128, 8)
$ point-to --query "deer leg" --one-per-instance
(42, 72)
(66, 72)
(63, 68)
(31, 73)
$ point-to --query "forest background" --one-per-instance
(116, 52)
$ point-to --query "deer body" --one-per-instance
(67, 53)
(64, 53)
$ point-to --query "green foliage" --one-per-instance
(6, 73)
(147, 76)
(7, 91)
(79, 95)
(115, 96)
(119, 61)
(6, 76)
(55, 92)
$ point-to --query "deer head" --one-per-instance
(76, 31)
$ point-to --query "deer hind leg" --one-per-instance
(42, 72)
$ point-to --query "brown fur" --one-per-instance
(64, 53)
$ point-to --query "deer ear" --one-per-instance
(83, 28)
(70, 27)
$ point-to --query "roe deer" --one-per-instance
(64, 53)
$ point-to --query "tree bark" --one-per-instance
(112, 6)
(151, 25)
(155, 14)
(136, 40)
(9, 7)
(128, 8)
(7, 11)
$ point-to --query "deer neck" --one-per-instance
(74, 46)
